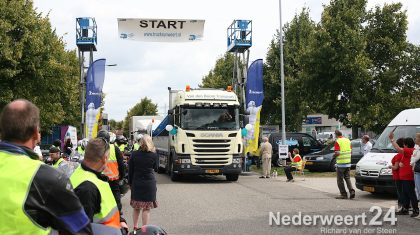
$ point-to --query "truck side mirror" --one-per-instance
(171, 119)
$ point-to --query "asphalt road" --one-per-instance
(211, 205)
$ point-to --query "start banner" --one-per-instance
(160, 30)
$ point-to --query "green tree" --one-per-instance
(116, 125)
(337, 64)
(143, 108)
(221, 75)
(297, 35)
(35, 65)
(394, 78)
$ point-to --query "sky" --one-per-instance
(149, 68)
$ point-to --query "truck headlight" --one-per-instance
(320, 158)
(357, 169)
(236, 160)
(386, 171)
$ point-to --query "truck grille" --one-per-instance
(369, 173)
(213, 146)
(211, 152)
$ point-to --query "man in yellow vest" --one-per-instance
(35, 198)
(342, 148)
(93, 189)
(121, 143)
(114, 168)
(295, 164)
(81, 145)
(55, 155)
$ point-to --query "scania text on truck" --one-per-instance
(201, 134)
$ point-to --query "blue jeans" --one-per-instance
(417, 181)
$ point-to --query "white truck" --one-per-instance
(143, 124)
(201, 134)
(373, 172)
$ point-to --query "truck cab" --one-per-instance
(373, 172)
(204, 136)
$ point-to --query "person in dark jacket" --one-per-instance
(142, 180)
(68, 147)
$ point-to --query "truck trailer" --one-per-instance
(201, 134)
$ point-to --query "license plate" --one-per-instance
(309, 163)
(212, 171)
(369, 189)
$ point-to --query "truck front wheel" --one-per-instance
(161, 170)
(231, 177)
(174, 176)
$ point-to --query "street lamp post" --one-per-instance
(283, 118)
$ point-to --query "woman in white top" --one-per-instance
(415, 158)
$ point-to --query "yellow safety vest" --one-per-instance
(80, 150)
(111, 169)
(122, 147)
(16, 175)
(297, 165)
(109, 214)
(58, 162)
(345, 151)
(136, 146)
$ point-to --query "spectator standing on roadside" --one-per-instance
(366, 144)
(406, 176)
(342, 148)
(266, 151)
(415, 161)
(142, 180)
(314, 133)
(396, 174)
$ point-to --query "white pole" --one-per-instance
(283, 118)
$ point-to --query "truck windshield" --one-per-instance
(384, 145)
(210, 118)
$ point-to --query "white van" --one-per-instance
(373, 173)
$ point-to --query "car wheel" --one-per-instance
(332, 165)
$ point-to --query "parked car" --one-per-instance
(324, 161)
(304, 142)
